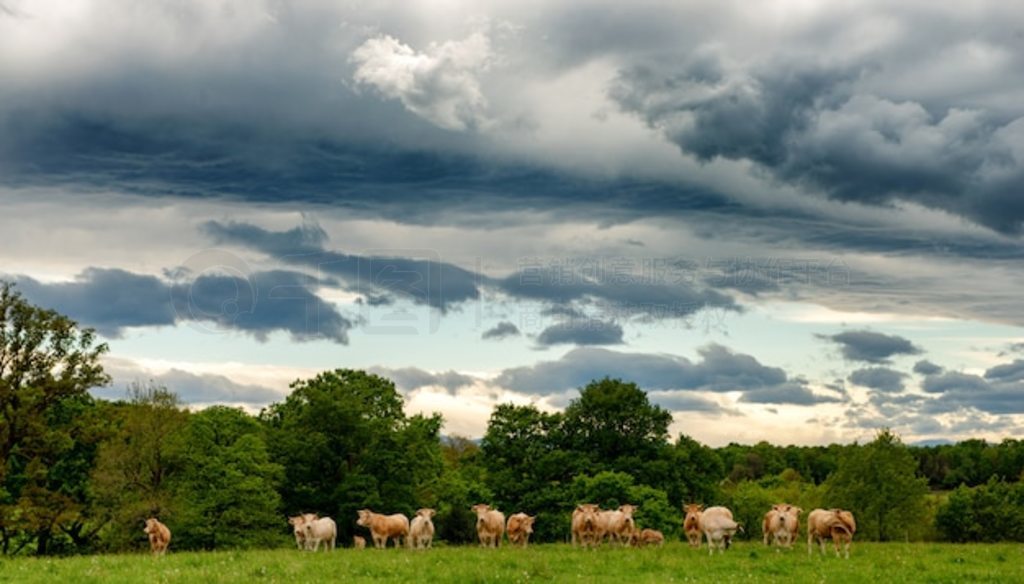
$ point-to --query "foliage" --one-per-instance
(879, 483)
(47, 440)
(228, 488)
(990, 512)
(345, 443)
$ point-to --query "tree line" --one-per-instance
(81, 474)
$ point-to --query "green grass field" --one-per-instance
(745, 562)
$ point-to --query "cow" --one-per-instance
(642, 537)
(782, 524)
(769, 522)
(159, 536)
(490, 525)
(617, 525)
(297, 522)
(421, 531)
(585, 528)
(519, 528)
(384, 527)
(835, 524)
(359, 542)
(691, 523)
(790, 526)
(718, 527)
(319, 530)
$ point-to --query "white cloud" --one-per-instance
(439, 84)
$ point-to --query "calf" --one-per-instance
(642, 537)
(490, 525)
(358, 542)
(421, 532)
(384, 527)
(159, 536)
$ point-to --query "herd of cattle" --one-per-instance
(590, 527)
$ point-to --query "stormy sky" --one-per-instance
(792, 221)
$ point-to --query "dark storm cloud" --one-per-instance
(105, 299)
(926, 367)
(428, 279)
(809, 125)
(871, 347)
(880, 378)
(502, 330)
(258, 304)
(581, 332)
(719, 369)
(423, 280)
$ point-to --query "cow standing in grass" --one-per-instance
(159, 536)
(691, 523)
(618, 525)
(384, 527)
(834, 524)
(298, 523)
(490, 525)
(421, 531)
(585, 528)
(716, 523)
(321, 530)
(519, 528)
(782, 525)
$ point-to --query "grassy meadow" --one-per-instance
(745, 562)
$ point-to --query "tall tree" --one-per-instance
(132, 477)
(615, 426)
(879, 483)
(47, 366)
(228, 487)
(345, 443)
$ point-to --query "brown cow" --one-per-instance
(769, 522)
(642, 537)
(617, 525)
(835, 524)
(585, 528)
(691, 523)
(384, 527)
(159, 536)
(490, 525)
(782, 524)
(421, 531)
(519, 528)
(297, 522)
(358, 542)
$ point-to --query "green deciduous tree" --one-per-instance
(345, 443)
(137, 463)
(227, 491)
(47, 366)
(879, 483)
